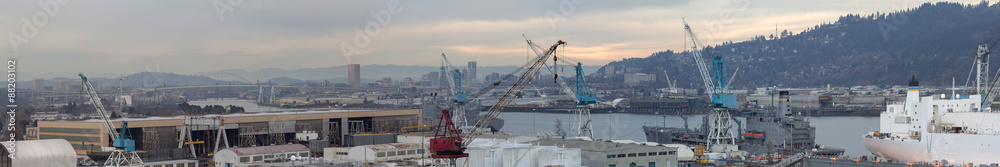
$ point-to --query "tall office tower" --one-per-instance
(354, 74)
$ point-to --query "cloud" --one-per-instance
(187, 36)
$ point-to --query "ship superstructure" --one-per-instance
(778, 131)
(955, 128)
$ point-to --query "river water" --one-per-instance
(842, 132)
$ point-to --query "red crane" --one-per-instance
(447, 141)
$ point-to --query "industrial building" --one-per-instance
(637, 78)
(203, 135)
(251, 155)
(378, 152)
(497, 152)
(606, 153)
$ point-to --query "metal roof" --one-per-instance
(269, 149)
(392, 146)
(275, 113)
(48, 152)
(590, 145)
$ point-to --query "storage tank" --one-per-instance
(476, 157)
(485, 156)
(520, 156)
(559, 157)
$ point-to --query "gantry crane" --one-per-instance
(983, 85)
(458, 95)
(720, 131)
(583, 97)
(124, 147)
(450, 144)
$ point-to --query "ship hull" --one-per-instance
(955, 148)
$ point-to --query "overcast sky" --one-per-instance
(190, 36)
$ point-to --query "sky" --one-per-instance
(191, 36)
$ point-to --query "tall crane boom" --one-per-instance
(696, 53)
(458, 95)
(559, 80)
(530, 69)
(583, 98)
(124, 147)
(100, 107)
(720, 119)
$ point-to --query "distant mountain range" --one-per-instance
(338, 74)
(137, 80)
(935, 42)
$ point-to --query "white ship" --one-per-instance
(957, 129)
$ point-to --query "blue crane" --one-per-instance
(583, 94)
(124, 152)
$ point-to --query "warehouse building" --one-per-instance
(606, 153)
(199, 134)
(251, 155)
(378, 152)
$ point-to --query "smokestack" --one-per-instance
(784, 104)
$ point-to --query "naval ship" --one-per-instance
(776, 131)
(956, 129)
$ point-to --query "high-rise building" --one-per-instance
(61, 86)
(354, 74)
(435, 78)
(493, 77)
(38, 84)
(471, 73)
